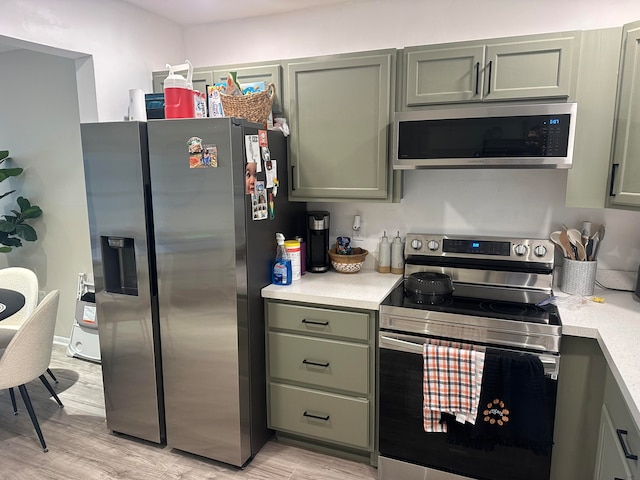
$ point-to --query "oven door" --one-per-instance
(403, 439)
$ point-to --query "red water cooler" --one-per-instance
(178, 92)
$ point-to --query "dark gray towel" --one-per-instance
(516, 405)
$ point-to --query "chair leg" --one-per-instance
(51, 390)
(53, 377)
(13, 401)
(32, 414)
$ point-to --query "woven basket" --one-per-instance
(348, 263)
(254, 107)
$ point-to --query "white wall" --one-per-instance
(373, 24)
(495, 202)
(108, 47)
(42, 134)
(126, 43)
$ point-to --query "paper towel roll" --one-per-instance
(137, 105)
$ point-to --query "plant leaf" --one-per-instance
(24, 203)
(27, 232)
(12, 242)
(5, 194)
(4, 154)
(5, 249)
(7, 227)
(33, 211)
(9, 172)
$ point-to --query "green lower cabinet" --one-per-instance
(329, 363)
(611, 463)
(619, 439)
(322, 415)
(321, 380)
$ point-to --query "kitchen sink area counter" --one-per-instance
(365, 289)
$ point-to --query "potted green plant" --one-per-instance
(14, 228)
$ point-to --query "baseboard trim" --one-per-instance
(57, 340)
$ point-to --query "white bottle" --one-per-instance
(397, 255)
(384, 254)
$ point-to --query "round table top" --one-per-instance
(10, 302)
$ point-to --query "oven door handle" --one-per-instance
(410, 344)
(400, 345)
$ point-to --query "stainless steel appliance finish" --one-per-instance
(211, 260)
(117, 185)
(494, 136)
(497, 283)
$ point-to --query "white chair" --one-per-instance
(28, 354)
(24, 281)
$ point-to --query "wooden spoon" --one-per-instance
(575, 237)
(566, 244)
(555, 238)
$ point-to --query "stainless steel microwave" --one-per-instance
(495, 136)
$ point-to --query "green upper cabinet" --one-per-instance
(516, 68)
(255, 73)
(247, 73)
(339, 108)
(626, 141)
(595, 95)
(443, 75)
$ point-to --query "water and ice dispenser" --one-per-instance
(119, 264)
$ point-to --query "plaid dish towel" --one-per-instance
(452, 383)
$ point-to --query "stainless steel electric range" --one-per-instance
(488, 293)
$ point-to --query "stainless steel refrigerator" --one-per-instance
(180, 253)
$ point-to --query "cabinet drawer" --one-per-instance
(326, 363)
(621, 419)
(331, 417)
(336, 323)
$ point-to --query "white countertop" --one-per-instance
(615, 323)
(365, 289)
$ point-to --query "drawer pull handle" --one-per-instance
(318, 417)
(312, 322)
(317, 364)
(630, 456)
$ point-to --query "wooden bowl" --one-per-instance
(348, 263)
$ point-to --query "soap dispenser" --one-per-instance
(397, 255)
(384, 254)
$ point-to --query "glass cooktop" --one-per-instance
(459, 305)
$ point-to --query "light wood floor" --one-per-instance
(81, 447)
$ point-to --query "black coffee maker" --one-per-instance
(317, 241)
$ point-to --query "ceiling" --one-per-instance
(193, 12)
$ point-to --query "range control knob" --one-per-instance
(520, 250)
(416, 244)
(433, 245)
(540, 251)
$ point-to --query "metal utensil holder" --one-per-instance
(578, 277)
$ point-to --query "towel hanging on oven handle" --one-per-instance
(412, 344)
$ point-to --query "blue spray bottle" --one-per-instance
(281, 273)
